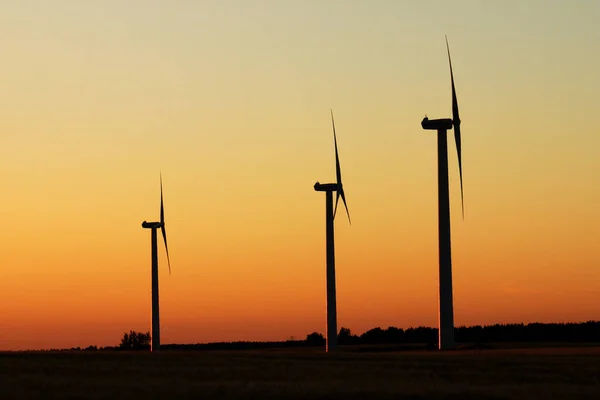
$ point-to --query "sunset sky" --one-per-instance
(230, 100)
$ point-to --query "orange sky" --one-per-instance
(231, 102)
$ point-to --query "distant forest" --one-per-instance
(584, 332)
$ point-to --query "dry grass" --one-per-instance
(521, 373)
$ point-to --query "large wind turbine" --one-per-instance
(446, 321)
(330, 212)
(155, 346)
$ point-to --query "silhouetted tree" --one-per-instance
(394, 335)
(315, 339)
(135, 341)
(346, 337)
(421, 334)
(373, 336)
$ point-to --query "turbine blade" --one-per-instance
(162, 209)
(338, 170)
(458, 152)
(162, 224)
(456, 123)
(164, 234)
(345, 205)
(338, 173)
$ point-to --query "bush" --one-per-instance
(135, 341)
(315, 339)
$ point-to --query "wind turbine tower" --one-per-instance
(446, 308)
(330, 213)
(154, 226)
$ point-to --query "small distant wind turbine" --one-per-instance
(330, 213)
(446, 321)
(155, 346)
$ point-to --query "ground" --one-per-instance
(499, 373)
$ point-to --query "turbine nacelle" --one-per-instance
(326, 187)
(443, 124)
(151, 225)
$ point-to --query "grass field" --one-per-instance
(501, 373)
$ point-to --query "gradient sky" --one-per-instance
(230, 100)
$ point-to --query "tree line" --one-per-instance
(584, 332)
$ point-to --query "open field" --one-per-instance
(503, 373)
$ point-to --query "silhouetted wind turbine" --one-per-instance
(155, 346)
(446, 321)
(330, 213)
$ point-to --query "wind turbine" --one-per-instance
(155, 346)
(446, 316)
(330, 212)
